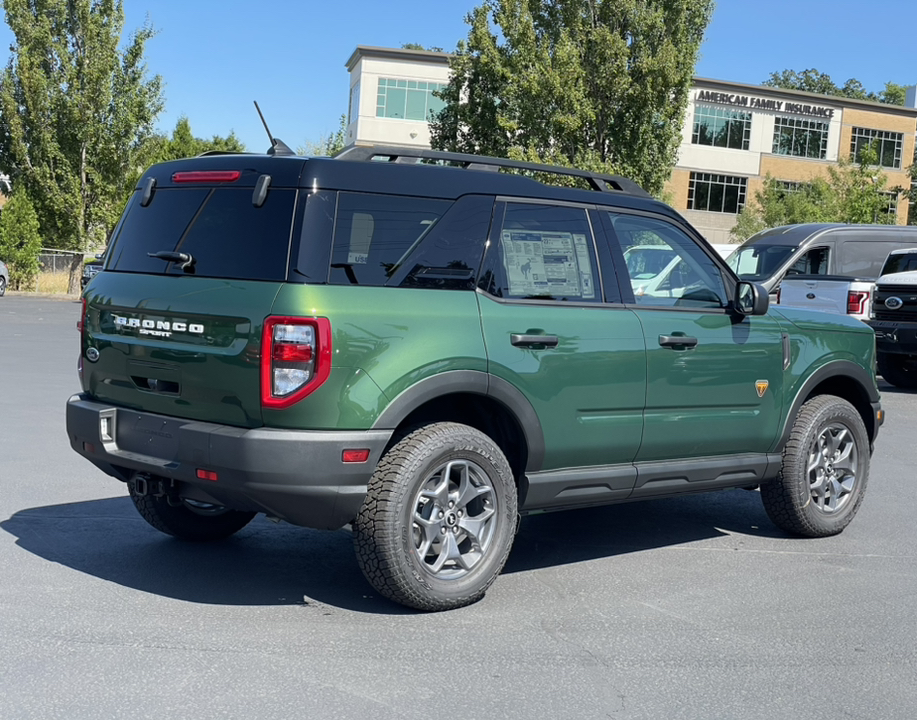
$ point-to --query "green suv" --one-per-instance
(427, 347)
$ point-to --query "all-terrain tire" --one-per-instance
(439, 518)
(825, 470)
(898, 370)
(186, 522)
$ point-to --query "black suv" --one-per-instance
(426, 348)
(90, 269)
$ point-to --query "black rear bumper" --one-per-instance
(296, 475)
(898, 337)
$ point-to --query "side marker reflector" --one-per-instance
(355, 456)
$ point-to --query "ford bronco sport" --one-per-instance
(427, 348)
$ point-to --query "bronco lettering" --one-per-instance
(158, 328)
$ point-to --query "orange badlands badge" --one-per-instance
(761, 387)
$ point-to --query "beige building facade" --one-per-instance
(734, 135)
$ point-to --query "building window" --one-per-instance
(716, 193)
(408, 99)
(721, 127)
(887, 145)
(892, 207)
(353, 107)
(800, 137)
(791, 186)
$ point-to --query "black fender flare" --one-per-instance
(476, 383)
(857, 373)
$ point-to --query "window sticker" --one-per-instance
(547, 263)
(361, 235)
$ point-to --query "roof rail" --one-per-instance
(598, 181)
(209, 153)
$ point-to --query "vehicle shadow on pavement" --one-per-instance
(575, 536)
(280, 564)
(265, 563)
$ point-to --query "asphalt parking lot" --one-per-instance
(690, 608)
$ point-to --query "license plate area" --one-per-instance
(150, 435)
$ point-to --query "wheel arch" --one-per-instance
(846, 380)
(480, 400)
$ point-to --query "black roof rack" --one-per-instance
(210, 153)
(598, 181)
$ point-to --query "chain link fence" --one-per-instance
(60, 271)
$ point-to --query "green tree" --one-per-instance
(20, 240)
(328, 145)
(911, 192)
(161, 148)
(417, 46)
(813, 81)
(851, 193)
(599, 84)
(810, 80)
(74, 110)
(183, 144)
(893, 94)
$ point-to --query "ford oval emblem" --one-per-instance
(893, 303)
(92, 354)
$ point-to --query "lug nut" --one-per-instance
(455, 530)
(442, 514)
(461, 513)
(451, 504)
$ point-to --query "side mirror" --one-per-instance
(751, 299)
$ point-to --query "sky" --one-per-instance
(217, 56)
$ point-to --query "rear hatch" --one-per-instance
(180, 333)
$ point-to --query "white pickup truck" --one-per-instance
(839, 294)
(828, 293)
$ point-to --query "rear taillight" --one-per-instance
(856, 301)
(295, 359)
(81, 323)
(81, 326)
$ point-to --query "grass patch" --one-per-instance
(52, 282)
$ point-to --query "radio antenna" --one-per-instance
(278, 146)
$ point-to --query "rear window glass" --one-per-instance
(901, 262)
(375, 234)
(225, 234)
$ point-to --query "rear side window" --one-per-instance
(544, 252)
(225, 234)
(375, 234)
(864, 258)
(449, 255)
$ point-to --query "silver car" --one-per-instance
(4, 278)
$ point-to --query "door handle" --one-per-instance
(523, 340)
(677, 341)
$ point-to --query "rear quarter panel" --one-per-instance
(384, 340)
